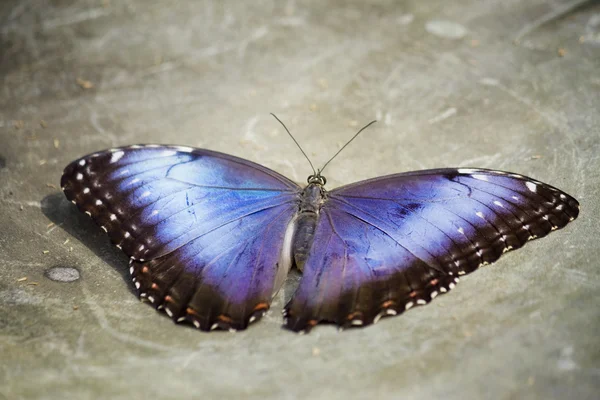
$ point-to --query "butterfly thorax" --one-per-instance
(312, 199)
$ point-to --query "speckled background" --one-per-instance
(501, 84)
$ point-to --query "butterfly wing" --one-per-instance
(387, 244)
(204, 230)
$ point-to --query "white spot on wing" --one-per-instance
(86, 190)
(79, 176)
(378, 317)
(480, 177)
(480, 214)
(466, 171)
(531, 186)
(461, 230)
(98, 202)
(113, 217)
(496, 202)
(116, 156)
(82, 162)
(145, 194)
(185, 149)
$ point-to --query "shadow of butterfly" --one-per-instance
(211, 237)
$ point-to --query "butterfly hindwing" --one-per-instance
(387, 244)
(222, 279)
(205, 231)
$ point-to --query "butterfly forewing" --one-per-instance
(387, 244)
(205, 231)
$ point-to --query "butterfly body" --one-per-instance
(211, 237)
(312, 199)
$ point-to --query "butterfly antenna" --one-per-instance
(295, 141)
(347, 143)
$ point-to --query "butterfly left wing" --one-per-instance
(387, 244)
(204, 231)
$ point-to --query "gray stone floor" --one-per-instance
(505, 84)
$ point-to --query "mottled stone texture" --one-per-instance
(500, 84)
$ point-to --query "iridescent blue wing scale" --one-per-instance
(205, 231)
(387, 244)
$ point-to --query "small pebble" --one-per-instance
(62, 274)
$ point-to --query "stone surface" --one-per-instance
(517, 89)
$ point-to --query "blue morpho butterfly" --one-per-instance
(211, 237)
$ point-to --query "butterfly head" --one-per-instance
(317, 179)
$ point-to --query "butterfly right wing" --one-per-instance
(204, 231)
(387, 244)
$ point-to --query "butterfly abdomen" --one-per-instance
(312, 199)
(303, 237)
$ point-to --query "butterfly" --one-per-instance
(211, 237)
